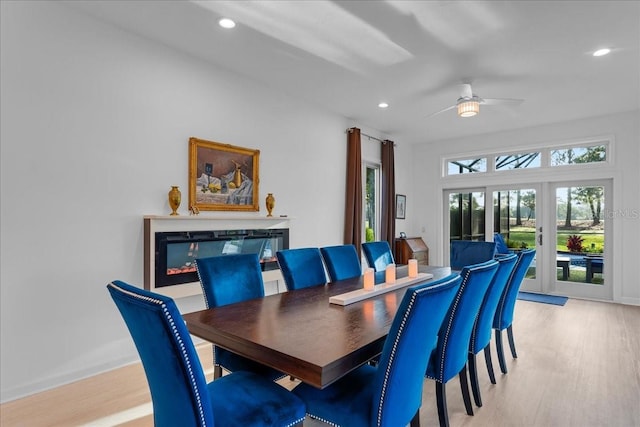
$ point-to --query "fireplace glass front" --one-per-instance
(176, 251)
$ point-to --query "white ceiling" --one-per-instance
(347, 56)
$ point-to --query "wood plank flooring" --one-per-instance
(578, 365)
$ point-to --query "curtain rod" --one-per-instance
(384, 141)
(372, 137)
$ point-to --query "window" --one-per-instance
(574, 155)
(466, 216)
(518, 161)
(586, 152)
(372, 192)
(458, 167)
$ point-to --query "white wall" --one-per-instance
(95, 129)
(624, 171)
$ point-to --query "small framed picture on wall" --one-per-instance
(401, 206)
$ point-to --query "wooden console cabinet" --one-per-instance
(412, 247)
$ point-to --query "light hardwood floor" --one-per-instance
(578, 365)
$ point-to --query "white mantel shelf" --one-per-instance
(216, 218)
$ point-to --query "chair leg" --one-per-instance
(487, 358)
(503, 364)
(441, 399)
(473, 375)
(512, 343)
(464, 386)
(217, 372)
(415, 421)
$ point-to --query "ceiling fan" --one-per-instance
(468, 105)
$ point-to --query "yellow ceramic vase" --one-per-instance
(175, 197)
(270, 202)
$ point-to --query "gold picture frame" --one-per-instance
(222, 177)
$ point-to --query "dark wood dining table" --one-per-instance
(303, 335)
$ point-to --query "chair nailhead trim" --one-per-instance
(315, 417)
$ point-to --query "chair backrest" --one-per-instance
(481, 334)
(378, 254)
(467, 252)
(171, 364)
(450, 354)
(343, 262)
(504, 312)
(302, 267)
(501, 245)
(400, 375)
(227, 279)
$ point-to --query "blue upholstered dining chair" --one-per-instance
(481, 333)
(343, 262)
(504, 312)
(449, 357)
(378, 254)
(501, 245)
(467, 252)
(227, 279)
(179, 391)
(301, 267)
(389, 394)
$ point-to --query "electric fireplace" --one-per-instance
(176, 251)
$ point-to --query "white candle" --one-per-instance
(369, 280)
(390, 273)
(413, 267)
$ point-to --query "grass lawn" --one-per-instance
(592, 239)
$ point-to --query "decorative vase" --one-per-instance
(270, 202)
(175, 197)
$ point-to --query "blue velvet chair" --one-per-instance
(449, 358)
(343, 262)
(504, 312)
(481, 333)
(501, 245)
(227, 279)
(301, 268)
(389, 394)
(378, 254)
(467, 252)
(179, 391)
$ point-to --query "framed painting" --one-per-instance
(401, 206)
(222, 177)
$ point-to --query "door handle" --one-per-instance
(540, 239)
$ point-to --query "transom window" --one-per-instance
(575, 155)
(456, 167)
(561, 155)
(518, 161)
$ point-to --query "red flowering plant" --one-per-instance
(574, 243)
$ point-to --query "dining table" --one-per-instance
(301, 333)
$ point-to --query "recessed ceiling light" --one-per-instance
(601, 52)
(226, 23)
(383, 105)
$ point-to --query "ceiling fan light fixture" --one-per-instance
(468, 107)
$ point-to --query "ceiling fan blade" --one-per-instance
(501, 101)
(441, 111)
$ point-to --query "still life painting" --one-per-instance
(222, 176)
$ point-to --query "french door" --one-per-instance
(582, 234)
(565, 222)
(514, 212)
(518, 215)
